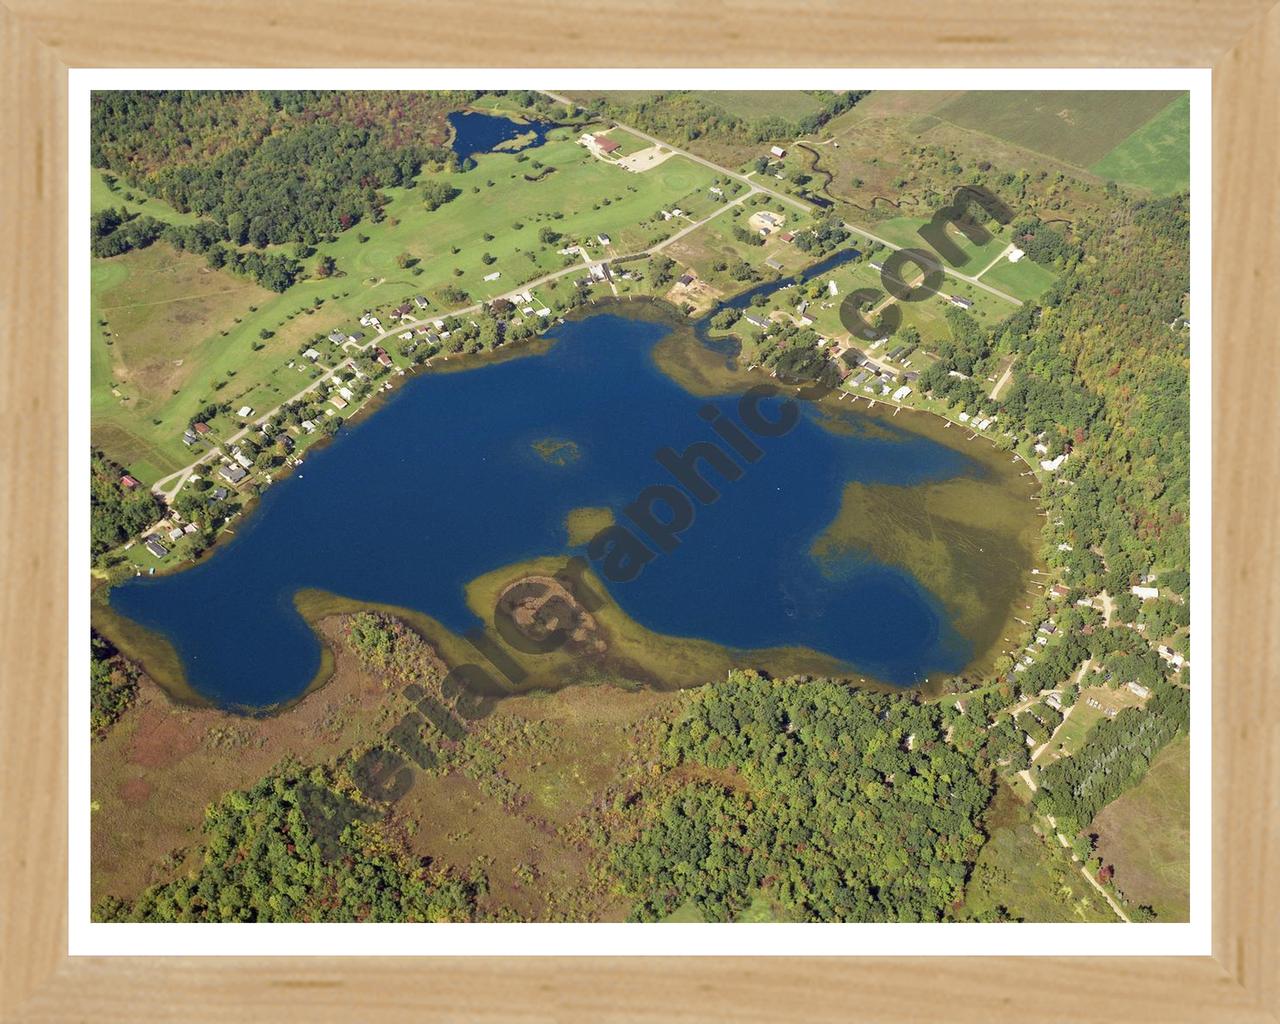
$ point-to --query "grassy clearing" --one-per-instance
(1022, 876)
(1024, 280)
(1156, 157)
(757, 104)
(161, 348)
(1146, 835)
(1078, 127)
(103, 196)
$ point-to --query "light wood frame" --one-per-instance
(41, 39)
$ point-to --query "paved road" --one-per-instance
(792, 200)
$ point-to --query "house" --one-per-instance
(1015, 254)
(777, 151)
(1058, 590)
(175, 533)
(766, 221)
(311, 354)
(964, 417)
(1138, 690)
(383, 358)
(911, 375)
(201, 428)
(337, 337)
(757, 321)
(494, 276)
(605, 144)
(1146, 593)
(402, 310)
(338, 402)
(128, 482)
(1051, 465)
(345, 393)
(1054, 700)
(189, 438)
(901, 393)
(604, 239)
(156, 548)
(218, 494)
(356, 336)
(232, 473)
(420, 301)
(308, 427)
(687, 279)
(959, 301)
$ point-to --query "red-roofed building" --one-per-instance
(128, 482)
(606, 144)
(201, 428)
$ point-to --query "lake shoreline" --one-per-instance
(648, 309)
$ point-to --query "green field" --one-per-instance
(756, 104)
(1024, 280)
(103, 196)
(1146, 835)
(581, 198)
(1078, 127)
(905, 231)
(1156, 157)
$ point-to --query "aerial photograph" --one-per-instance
(639, 506)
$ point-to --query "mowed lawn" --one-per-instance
(905, 231)
(167, 307)
(1146, 834)
(1078, 127)
(1156, 157)
(1024, 280)
(580, 198)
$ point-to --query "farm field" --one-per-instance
(1145, 834)
(1024, 280)
(1157, 156)
(1078, 127)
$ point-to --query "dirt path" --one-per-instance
(1004, 379)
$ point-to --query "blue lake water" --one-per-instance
(446, 483)
(480, 133)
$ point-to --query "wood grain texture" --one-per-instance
(38, 40)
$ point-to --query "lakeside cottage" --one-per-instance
(158, 549)
(232, 473)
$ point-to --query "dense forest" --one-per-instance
(683, 116)
(267, 856)
(117, 511)
(1116, 757)
(271, 167)
(838, 804)
(113, 685)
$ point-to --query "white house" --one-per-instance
(1146, 593)
(1015, 254)
(1138, 690)
(1051, 465)
(777, 151)
(901, 393)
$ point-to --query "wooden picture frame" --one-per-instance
(41, 39)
